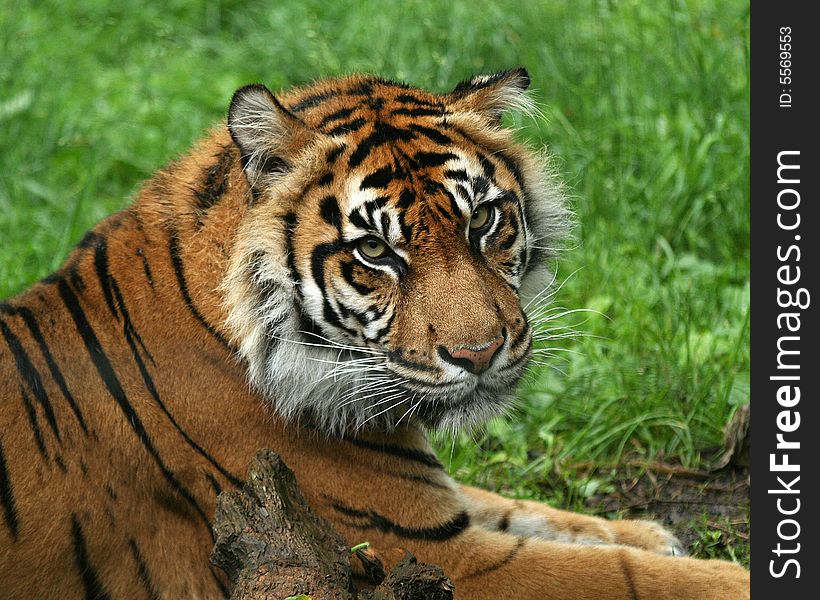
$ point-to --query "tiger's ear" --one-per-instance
(493, 95)
(268, 135)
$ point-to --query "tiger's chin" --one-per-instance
(465, 404)
(468, 411)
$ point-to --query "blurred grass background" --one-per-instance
(644, 104)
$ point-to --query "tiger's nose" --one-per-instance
(473, 360)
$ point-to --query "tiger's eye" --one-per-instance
(481, 216)
(372, 247)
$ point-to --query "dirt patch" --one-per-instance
(709, 511)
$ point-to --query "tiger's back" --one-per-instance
(97, 457)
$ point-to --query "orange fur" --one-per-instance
(124, 377)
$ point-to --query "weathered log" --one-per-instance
(412, 581)
(272, 546)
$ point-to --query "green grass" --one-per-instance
(645, 105)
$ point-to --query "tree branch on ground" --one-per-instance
(272, 547)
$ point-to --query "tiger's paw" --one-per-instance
(647, 535)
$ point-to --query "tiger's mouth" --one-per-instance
(461, 402)
(372, 387)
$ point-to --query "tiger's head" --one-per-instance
(379, 273)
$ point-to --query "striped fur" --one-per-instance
(125, 403)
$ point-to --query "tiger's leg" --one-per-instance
(397, 496)
(526, 518)
(487, 565)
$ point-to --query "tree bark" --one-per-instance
(272, 547)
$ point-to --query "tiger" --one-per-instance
(331, 272)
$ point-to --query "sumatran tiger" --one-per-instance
(328, 273)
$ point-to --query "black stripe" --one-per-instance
(360, 316)
(419, 479)
(465, 195)
(630, 582)
(457, 212)
(291, 221)
(522, 259)
(317, 265)
(504, 523)
(412, 99)
(487, 165)
(349, 127)
(385, 223)
(499, 154)
(179, 271)
(7, 496)
(522, 335)
(380, 178)
(371, 206)
(31, 376)
(406, 199)
(312, 100)
(330, 212)
(481, 186)
(326, 179)
(333, 154)
(75, 278)
(419, 112)
(146, 267)
(31, 322)
(442, 213)
(537, 256)
(365, 88)
(376, 103)
(94, 589)
(101, 268)
(335, 116)
(504, 561)
(334, 317)
(318, 257)
(89, 239)
(214, 483)
(508, 242)
(35, 426)
(114, 387)
(382, 134)
(215, 182)
(130, 334)
(511, 166)
(432, 159)
(432, 134)
(142, 570)
(108, 285)
(402, 452)
(386, 329)
(516, 363)
(347, 273)
(456, 174)
(397, 358)
(437, 533)
(355, 218)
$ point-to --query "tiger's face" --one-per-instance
(378, 275)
